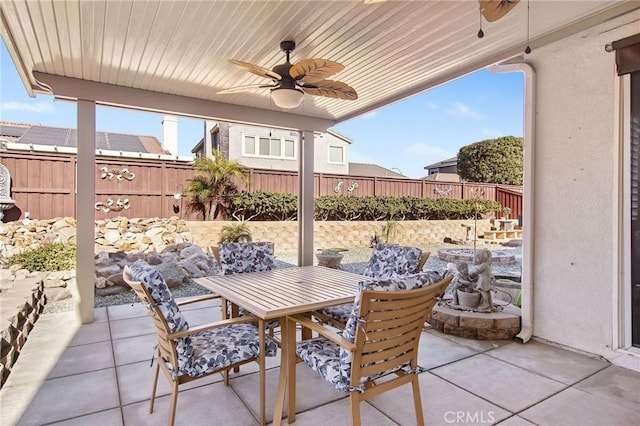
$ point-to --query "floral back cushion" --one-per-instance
(389, 260)
(408, 282)
(237, 258)
(150, 278)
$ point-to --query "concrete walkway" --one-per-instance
(99, 374)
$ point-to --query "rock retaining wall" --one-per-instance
(20, 307)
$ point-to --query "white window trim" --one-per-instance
(270, 157)
(344, 154)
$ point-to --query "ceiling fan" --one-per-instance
(289, 82)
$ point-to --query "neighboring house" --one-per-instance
(449, 165)
(372, 170)
(276, 149)
(32, 137)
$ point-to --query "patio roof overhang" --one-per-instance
(171, 56)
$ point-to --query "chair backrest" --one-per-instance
(153, 292)
(385, 324)
(236, 258)
(389, 260)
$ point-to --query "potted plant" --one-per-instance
(330, 258)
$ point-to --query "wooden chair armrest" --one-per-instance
(323, 331)
(422, 261)
(211, 326)
(197, 299)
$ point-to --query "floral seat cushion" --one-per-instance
(331, 361)
(390, 260)
(225, 346)
(339, 313)
(206, 351)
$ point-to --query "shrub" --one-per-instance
(492, 161)
(235, 233)
(46, 258)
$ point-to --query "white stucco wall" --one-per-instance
(576, 182)
(321, 146)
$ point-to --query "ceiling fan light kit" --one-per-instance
(287, 98)
(290, 82)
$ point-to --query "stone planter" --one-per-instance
(330, 260)
(471, 300)
(507, 287)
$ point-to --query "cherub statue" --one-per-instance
(483, 278)
(463, 282)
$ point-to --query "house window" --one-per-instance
(634, 213)
(336, 154)
(215, 140)
(269, 147)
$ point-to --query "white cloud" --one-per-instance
(461, 110)
(25, 106)
(370, 114)
(432, 106)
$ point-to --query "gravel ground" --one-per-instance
(355, 260)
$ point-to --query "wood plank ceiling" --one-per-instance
(390, 49)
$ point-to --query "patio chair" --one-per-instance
(386, 260)
(190, 353)
(380, 340)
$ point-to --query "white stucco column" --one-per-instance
(85, 212)
(305, 199)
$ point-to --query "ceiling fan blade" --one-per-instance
(247, 88)
(331, 89)
(313, 70)
(493, 10)
(256, 69)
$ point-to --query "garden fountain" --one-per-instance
(6, 202)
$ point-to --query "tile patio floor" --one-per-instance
(99, 374)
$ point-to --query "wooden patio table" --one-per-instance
(277, 293)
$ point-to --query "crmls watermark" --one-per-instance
(464, 417)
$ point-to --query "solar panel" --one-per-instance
(121, 142)
(41, 135)
(13, 131)
(50, 136)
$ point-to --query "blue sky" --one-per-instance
(407, 135)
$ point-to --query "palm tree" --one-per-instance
(210, 189)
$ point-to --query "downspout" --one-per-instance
(529, 192)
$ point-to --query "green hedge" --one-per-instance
(275, 206)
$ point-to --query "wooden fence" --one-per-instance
(45, 185)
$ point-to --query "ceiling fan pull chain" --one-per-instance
(480, 32)
(527, 49)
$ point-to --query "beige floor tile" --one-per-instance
(83, 358)
(135, 382)
(202, 316)
(100, 314)
(435, 351)
(132, 327)
(134, 349)
(338, 413)
(477, 345)
(212, 303)
(549, 361)
(500, 383)
(516, 421)
(208, 405)
(442, 404)
(312, 390)
(575, 407)
(72, 396)
(615, 384)
(91, 333)
(119, 312)
(111, 417)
